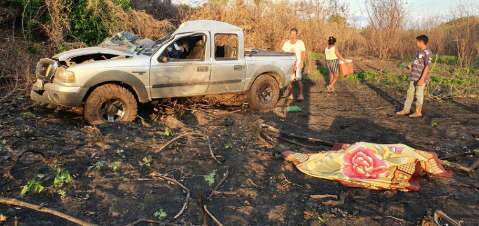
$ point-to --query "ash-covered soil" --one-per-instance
(114, 166)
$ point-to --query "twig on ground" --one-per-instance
(323, 196)
(283, 134)
(219, 184)
(187, 199)
(438, 214)
(299, 144)
(143, 122)
(226, 193)
(16, 202)
(342, 197)
(395, 218)
(212, 154)
(457, 166)
(211, 150)
(171, 141)
(212, 216)
(143, 220)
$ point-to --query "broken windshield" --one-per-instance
(158, 43)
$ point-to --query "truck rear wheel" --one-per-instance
(110, 103)
(264, 93)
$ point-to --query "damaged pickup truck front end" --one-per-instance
(55, 78)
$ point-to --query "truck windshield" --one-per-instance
(154, 48)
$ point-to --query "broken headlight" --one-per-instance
(64, 75)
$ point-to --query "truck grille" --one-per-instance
(46, 68)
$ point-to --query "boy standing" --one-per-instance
(296, 46)
(418, 78)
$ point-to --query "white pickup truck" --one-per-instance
(200, 58)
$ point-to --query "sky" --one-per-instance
(416, 9)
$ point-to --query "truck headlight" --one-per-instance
(63, 75)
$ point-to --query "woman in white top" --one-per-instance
(332, 62)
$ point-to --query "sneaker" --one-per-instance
(301, 98)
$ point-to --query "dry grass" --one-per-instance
(16, 66)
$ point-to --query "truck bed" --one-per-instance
(262, 52)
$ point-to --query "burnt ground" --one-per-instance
(112, 172)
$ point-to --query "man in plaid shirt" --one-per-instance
(418, 78)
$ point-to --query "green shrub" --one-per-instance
(86, 26)
(124, 4)
(446, 59)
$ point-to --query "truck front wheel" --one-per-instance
(264, 93)
(110, 103)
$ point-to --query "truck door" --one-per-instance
(182, 68)
(228, 67)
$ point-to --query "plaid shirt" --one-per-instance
(423, 59)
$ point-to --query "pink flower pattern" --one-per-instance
(363, 163)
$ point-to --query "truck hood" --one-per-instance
(89, 51)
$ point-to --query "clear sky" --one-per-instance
(416, 9)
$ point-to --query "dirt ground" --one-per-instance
(114, 166)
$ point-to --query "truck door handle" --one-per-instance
(238, 67)
(202, 68)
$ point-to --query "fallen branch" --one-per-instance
(211, 150)
(171, 141)
(438, 214)
(397, 219)
(141, 220)
(212, 154)
(212, 216)
(342, 197)
(317, 197)
(457, 166)
(292, 135)
(187, 198)
(15, 202)
(225, 193)
(219, 184)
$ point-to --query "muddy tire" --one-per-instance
(110, 103)
(264, 93)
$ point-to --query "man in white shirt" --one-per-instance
(296, 46)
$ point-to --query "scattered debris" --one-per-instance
(16, 202)
(173, 122)
(141, 220)
(215, 189)
(212, 216)
(317, 197)
(440, 216)
(339, 202)
(287, 136)
(185, 189)
(212, 154)
(468, 169)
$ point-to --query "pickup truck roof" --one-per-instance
(207, 25)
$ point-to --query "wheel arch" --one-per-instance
(123, 79)
(279, 74)
(124, 85)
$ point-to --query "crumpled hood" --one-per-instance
(90, 50)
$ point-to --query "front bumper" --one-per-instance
(53, 93)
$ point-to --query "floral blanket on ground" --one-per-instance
(372, 166)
